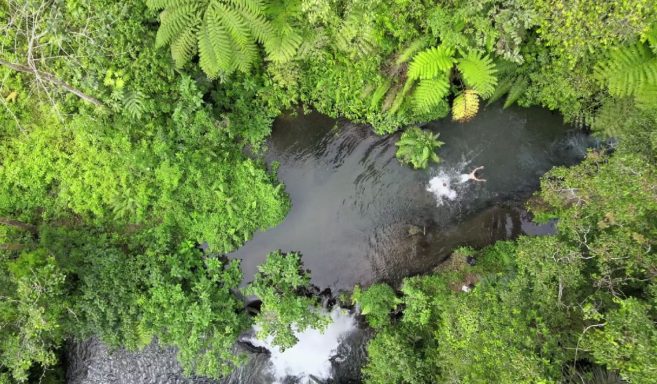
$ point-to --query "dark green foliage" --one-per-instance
(287, 306)
(190, 305)
(32, 306)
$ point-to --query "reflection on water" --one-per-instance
(355, 208)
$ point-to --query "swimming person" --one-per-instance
(472, 175)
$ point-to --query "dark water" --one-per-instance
(358, 216)
(354, 204)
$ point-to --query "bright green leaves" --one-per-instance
(432, 68)
(431, 63)
(224, 33)
(376, 303)
(429, 93)
(478, 72)
(417, 147)
(185, 175)
(287, 304)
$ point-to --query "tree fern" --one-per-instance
(465, 106)
(431, 63)
(627, 70)
(223, 32)
(478, 73)
(430, 93)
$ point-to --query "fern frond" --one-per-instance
(431, 62)
(400, 97)
(233, 21)
(183, 47)
(465, 106)
(243, 56)
(283, 47)
(478, 73)
(646, 98)
(502, 89)
(224, 32)
(627, 70)
(411, 50)
(162, 4)
(429, 93)
(518, 89)
(134, 104)
(255, 7)
(379, 93)
(175, 21)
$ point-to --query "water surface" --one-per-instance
(356, 210)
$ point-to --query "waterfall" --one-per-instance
(310, 359)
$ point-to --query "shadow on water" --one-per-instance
(358, 216)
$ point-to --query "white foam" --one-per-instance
(311, 355)
(441, 187)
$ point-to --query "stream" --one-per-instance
(358, 216)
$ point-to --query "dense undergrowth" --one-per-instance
(129, 162)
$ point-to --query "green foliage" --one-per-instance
(283, 287)
(626, 341)
(106, 173)
(32, 305)
(431, 63)
(631, 71)
(430, 93)
(190, 305)
(575, 30)
(224, 33)
(478, 73)
(417, 147)
(376, 303)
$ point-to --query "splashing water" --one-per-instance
(441, 187)
(311, 356)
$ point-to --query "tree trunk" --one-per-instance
(19, 224)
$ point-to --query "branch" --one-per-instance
(19, 224)
(52, 79)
